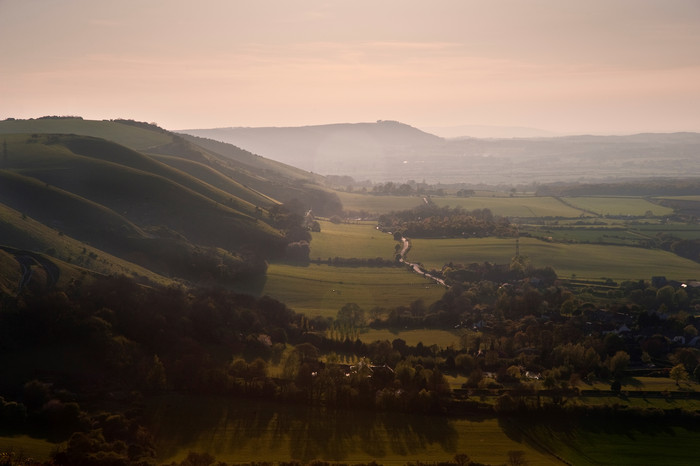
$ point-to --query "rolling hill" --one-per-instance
(144, 200)
(341, 149)
(391, 151)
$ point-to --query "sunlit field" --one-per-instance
(346, 240)
(526, 206)
(582, 260)
(323, 290)
(377, 204)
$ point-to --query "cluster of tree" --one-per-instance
(688, 248)
(515, 458)
(113, 336)
(140, 124)
(410, 188)
(431, 221)
(357, 262)
(654, 187)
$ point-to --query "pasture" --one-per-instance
(377, 204)
(346, 240)
(616, 442)
(590, 261)
(633, 206)
(322, 290)
(526, 206)
(249, 430)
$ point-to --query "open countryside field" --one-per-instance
(377, 204)
(583, 260)
(527, 206)
(345, 240)
(27, 447)
(322, 290)
(634, 206)
(248, 430)
(610, 443)
(682, 198)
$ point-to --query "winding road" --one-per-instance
(416, 267)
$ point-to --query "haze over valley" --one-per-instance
(393, 151)
(276, 232)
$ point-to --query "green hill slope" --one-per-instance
(132, 206)
(253, 179)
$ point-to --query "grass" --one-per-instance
(26, 447)
(634, 206)
(246, 431)
(323, 290)
(127, 135)
(429, 337)
(360, 240)
(23, 232)
(377, 204)
(527, 206)
(583, 260)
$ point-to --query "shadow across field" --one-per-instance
(249, 430)
(613, 438)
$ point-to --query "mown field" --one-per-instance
(247, 430)
(377, 204)
(525, 206)
(583, 260)
(361, 240)
(323, 290)
(635, 206)
(611, 443)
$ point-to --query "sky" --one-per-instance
(594, 66)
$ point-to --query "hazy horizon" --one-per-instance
(601, 67)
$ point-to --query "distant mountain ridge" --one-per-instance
(325, 149)
(393, 151)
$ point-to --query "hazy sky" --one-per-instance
(568, 66)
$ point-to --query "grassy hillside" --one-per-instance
(135, 137)
(24, 232)
(135, 207)
(254, 179)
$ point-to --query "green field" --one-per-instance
(528, 206)
(611, 443)
(583, 260)
(247, 431)
(634, 206)
(428, 337)
(345, 240)
(26, 447)
(377, 204)
(323, 290)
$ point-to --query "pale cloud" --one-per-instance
(560, 65)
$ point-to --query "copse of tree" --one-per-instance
(430, 221)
